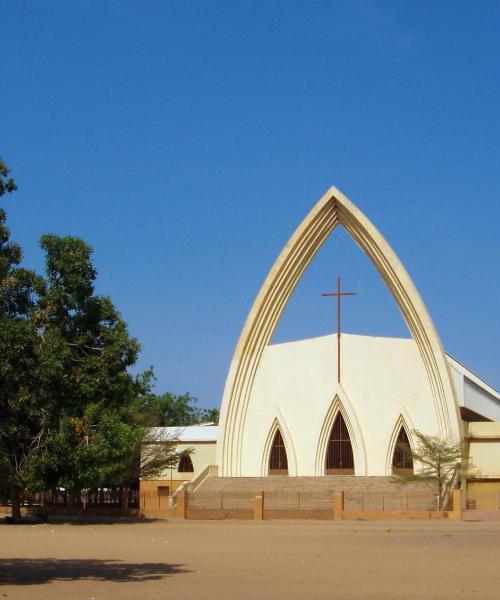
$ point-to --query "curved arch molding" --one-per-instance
(333, 209)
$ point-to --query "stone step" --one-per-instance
(326, 483)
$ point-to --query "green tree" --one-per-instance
(436, 460)
(70, 413)
(170, 410)
(7, 184)
(86, 352)
(24, 419)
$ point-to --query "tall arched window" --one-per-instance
(402, 459)
(185, 464)
(278, 463)
(339, 456)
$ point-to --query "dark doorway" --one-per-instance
(278, 463)
(339, 456)
(402, 459)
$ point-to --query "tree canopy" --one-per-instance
(172, 410)
(7, 184)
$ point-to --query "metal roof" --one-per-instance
(190, 433)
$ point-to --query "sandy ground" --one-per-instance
(239, 560)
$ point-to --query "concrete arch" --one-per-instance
(332, 209)
(341, 404)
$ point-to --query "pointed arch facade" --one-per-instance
(278, 461)
(333, 209)
(339, 458)
(278, 446)
(341, 406)
(401, 432)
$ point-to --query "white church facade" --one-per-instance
(289, 409)
(383, 390)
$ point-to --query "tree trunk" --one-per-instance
(15, 498)
(74, 500)
(124, 499)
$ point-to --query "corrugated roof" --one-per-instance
(191, 433)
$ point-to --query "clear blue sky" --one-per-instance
(185, 141)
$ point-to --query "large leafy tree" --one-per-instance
(67, 402)
(70, 413)
(24, 418)
(86, 352)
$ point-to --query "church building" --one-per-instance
(345, 404)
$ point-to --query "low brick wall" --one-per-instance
(372, 515)
(288, 513)
(266, 505)
(219, 514)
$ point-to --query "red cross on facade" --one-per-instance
(339, 295)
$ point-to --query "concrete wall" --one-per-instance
(384, 384)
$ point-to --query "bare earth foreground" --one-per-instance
(236, 559)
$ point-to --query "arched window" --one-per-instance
(402, 459)
(185, 464)
(278, 463)
(339, 456)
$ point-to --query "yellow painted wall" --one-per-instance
(484, 454)
(150, 501)
(484, 449)
(484, 429)
(153, 502)
(486, 494)
(203, 455)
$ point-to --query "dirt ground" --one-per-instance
(239, 560)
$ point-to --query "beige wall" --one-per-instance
(484, 454)
(150, 501)
(484, 449)
(203, 455)
(485, 494)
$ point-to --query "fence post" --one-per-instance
(338, 506)
(182, 504)
(456, 512)
(405, 502)
(258, 507)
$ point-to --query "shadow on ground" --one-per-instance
(79, 520)
(23, 571)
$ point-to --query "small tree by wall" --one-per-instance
(436, 460)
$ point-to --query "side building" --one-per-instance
(195, 448)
